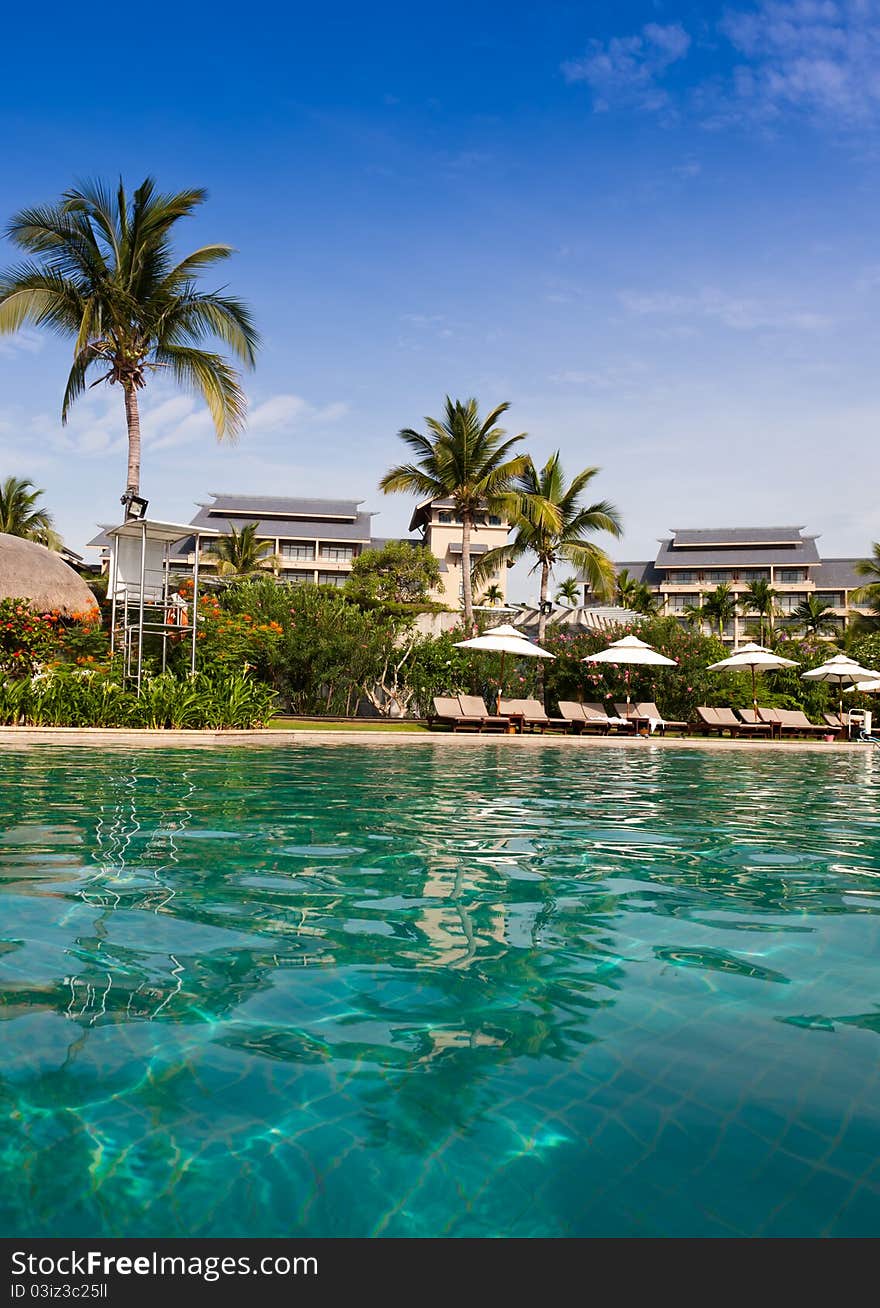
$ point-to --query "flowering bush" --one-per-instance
(29, 641)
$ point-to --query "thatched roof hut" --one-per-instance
(30, 572)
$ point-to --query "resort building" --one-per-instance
(440, 527)
(316, 540)
(691, 562)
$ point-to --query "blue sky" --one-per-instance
(651, 227)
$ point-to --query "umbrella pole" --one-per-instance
(754, 693)
(501, 685)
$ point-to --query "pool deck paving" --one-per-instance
(18, 737)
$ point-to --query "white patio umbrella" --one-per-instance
(864, 688)
(841, 671)
(505, 640)
(630, 650)
(752, 656)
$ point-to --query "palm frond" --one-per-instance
(211, 377)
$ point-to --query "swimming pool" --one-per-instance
(443, 989)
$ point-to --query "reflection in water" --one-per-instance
(440, 990)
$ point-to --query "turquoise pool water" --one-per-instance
(440, 989)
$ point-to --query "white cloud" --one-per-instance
(23, 342)
(821, 57)
(628, 69)
(739, 313)
(284, 411)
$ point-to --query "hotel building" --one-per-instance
(316, 540)
(691, 562)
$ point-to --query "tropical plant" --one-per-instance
(468, 460)
(644, 600)
(760, 598)
(398, 573)
(719, 608)
(102, 272)
(551, 524)
(240, 554)
(626, 589)
(63, 697)
(813, 617)
(21, 515)
(869, 594)
(568, 591)
(492, 596)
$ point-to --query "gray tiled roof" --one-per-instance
(641, 571)
(292, 529)
(802, 551)
(294, 506)
(102, 540)
(709, 536)
(838, 574)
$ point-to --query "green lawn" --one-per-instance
(321, 724)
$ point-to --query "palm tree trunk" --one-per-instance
(466, 582)
(133, 421)
(542, 616)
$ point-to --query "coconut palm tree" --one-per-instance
(814, 618)
(552, 525)
(719, 607)
(240, 554)
(466, 459)
(626, 589)
(20, 515)
(493, 595)
(644, 600)
(102, 272)
(869, 594)
(760, 598)
(568, 591)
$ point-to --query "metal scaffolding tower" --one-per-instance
(142, 602)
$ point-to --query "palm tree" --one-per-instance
(102, 273)
(644, 600)
(20, 514)
(568, 591)
(240, 554)
(467, 459)
(719, 606)
(552, 525)
(694, 615)
(760, 598)
(626, 589)
(493, 595)
(869, 594)
(814, 617)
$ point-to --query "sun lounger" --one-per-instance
(650, 712)
(474, 707)
(724, 719)
(581, 721)
(834, 721)
(534, 715)
(792, 722)
(749, 718)
(448, 710)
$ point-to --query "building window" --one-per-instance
(754, 574)
(494, 520)
(297, 576)
(445, 517)
(788, 603)
(678, 603)
(718, 576)
(332, 578)
(682, 578)
(337, 553)
(298, 549)
(833, 598)
(791, 576)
